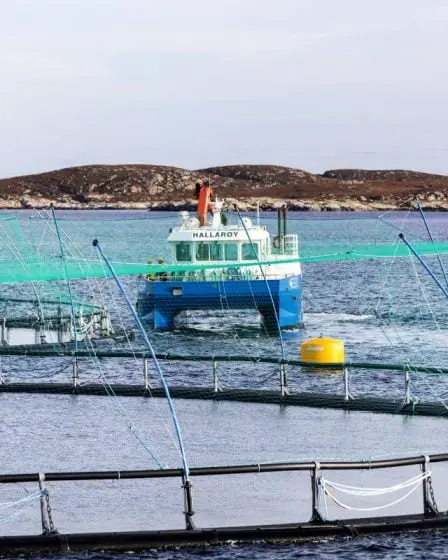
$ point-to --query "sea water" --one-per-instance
(386, 310)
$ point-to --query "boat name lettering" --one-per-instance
(214, 234)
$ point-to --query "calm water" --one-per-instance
(385, 310)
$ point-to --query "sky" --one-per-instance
(312, 84)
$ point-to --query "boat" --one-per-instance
(254, 270)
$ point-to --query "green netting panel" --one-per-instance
(29, 250)
(23, 261)
(47, 268)
(347, 251)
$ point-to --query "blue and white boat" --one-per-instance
(242, 279)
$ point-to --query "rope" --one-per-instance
(64, 264)
(30, 498)
(267, 284)
(122, 411)
(21, 504)
(65, 240)
(137, 361)
(416, 481)
(156, 362)
(366, 491)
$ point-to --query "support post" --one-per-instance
(188, 504)
(43, 505)
(347, 395)
(315, 483)
(146, 375)
(216, 387)
(407, 388)
(283, 380)
(75, 372)
(429, 504)
(3, 340)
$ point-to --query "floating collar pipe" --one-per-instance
(154, 357)
(422, 262)
(420, 209)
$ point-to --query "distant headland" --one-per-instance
(157, 187)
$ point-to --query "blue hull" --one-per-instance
(159, 302)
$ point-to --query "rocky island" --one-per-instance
(157, 187)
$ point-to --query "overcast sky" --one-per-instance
(314, 84)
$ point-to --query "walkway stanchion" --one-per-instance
(47, 528)
(347, 394)
(315, 483)
(188, 504)
(75, 372)
(407, 387)
(146, 375)
(429, 502)
(283, 380)
(216, 387)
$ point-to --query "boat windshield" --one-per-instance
(203, 252)
(231, 251)
(249, 251)
(183, 252)
(216, 252)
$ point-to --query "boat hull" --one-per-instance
(275, 299)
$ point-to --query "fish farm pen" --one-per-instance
(82, 322)
(78, 384)
(318, 526)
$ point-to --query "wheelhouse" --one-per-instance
(218, 251)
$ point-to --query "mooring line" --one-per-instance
(154, 357)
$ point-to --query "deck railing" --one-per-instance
(232, 273)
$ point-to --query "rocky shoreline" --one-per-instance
(160, 188)
(244, 205)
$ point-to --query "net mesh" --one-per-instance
(38, 257)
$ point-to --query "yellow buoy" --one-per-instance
(322, 351)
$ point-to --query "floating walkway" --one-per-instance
(141, 540)
(262, 396)
(317, 527)
(406, 405)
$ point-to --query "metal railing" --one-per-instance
(224, 275)
(315, 468)
(283, 366)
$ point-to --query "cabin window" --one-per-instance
(183, 252)
(249, 251)
(203, 252)
(231, 251)
(216, 252)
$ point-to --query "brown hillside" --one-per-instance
(168, 187)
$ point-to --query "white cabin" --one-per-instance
(232, 245)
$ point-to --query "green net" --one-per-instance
(51, 268)
(31, 252)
